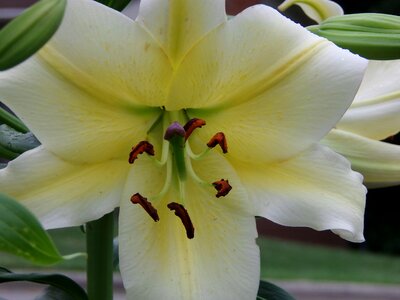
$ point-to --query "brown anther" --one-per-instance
(143, 146)
(182, 213)
(218, 139)
(223, 187)
(191, 125)
(139, 199)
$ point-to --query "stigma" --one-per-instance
(177, 156)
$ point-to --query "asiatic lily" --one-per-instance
(372, 117)
(107, 90)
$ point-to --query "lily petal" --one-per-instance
(220, 262)
(178, 25)
(376, 107)
(317, 10)
(315, 189)
(267, 83)
(379, 162)
(61, 194)
(89, 73)
(62, 102)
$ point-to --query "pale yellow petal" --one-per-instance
(318, 10)
(178, 25)
(62, 194)
(158, 261)
(80, 94)
(107, 55)
(69, 122)
(315, 189)
(379, 162)
(376, 108)
(271, 86)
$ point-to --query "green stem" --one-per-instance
(12, 121)
(99, 246)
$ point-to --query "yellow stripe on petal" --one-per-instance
(178, 25)
(108, 55)
(271, 86)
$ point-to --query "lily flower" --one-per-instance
(193, 124)
(372, 117)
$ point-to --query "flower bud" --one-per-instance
(27, 33)
(373, 36)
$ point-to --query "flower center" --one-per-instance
(177, 156)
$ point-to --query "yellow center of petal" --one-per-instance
(176, 156)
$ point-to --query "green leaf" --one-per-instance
(22, 235)
(115, 4)
(28, 32)
(16, 141)
(269, 291)
(7, 154)
(12, 121)
(373, 36)
(61, 285)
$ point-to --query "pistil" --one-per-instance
(175, 134)
(177, 155)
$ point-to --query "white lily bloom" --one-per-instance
(317, 10)
(373, 116)
(105, 83)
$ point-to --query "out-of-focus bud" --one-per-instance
(318, 10)
(27, 33)
(373, 36)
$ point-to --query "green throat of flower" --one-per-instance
(177, 156)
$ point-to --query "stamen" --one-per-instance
(193, 174)
(223, 187)
(167, 183)
(143, 146)
(182, 213)
(194, 156)
(218, 139)
(139, 199)
(191, 125)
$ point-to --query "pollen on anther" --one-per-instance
(147, 206)
(143, 146)
(218, 139)
(182, 213)
(223, 187)
(191, 125)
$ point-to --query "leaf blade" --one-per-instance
(22, 235)
(271, 291)
(58, 281)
